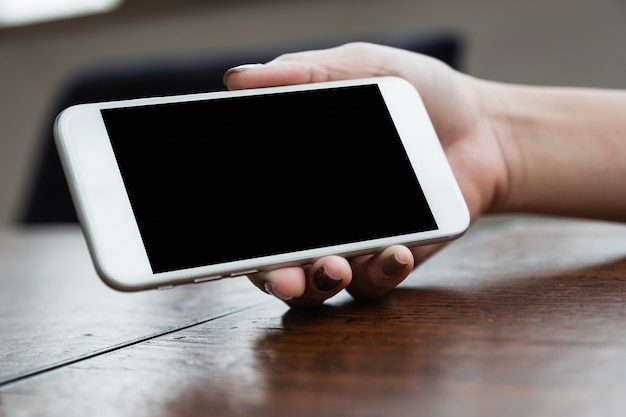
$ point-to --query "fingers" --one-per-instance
(366, 277)
(376, 275)
(306, 287)
(353, 60)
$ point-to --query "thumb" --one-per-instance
(348, 61)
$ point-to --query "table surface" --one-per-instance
(520, 317)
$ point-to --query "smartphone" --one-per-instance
(192, 188)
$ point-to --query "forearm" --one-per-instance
(565, 150)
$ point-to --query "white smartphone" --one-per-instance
(186, 189)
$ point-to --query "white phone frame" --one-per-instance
(111, 231)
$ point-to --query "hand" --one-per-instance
(455, 103)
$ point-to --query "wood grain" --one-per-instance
(54, 309)
(524, 318)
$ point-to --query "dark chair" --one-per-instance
(47, 200)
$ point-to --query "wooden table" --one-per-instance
(521, 317)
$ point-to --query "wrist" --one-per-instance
(564, 150)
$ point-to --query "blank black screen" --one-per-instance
(222, 180)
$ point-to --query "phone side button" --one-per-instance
(238, 274)
(165, 287)
(204, 279)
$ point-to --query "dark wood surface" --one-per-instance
(521, 317)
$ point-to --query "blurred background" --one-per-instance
(548, 42)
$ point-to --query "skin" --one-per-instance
(513, 149)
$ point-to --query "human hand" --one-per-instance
(455, 103)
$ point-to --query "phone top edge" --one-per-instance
(174, 98)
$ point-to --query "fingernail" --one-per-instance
(244, 67)
(393, 265)
(240, 68)
(323, 281)
(271, 289)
